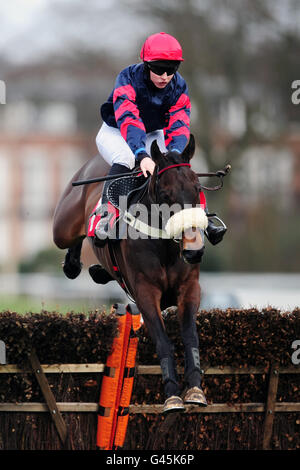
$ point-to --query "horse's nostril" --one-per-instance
(193, 256)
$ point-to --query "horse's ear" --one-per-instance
(155, 152)
(189, 150)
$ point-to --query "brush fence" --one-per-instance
(249, 406)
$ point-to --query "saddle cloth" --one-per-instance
(132, 187)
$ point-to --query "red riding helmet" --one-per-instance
(161, 46)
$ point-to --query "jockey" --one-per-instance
(149, 102)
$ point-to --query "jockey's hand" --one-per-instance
(147, 164)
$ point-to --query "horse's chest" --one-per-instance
(175, 276)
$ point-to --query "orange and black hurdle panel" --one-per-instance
(117, 381)
(128, 378)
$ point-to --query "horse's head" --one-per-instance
(175, 186)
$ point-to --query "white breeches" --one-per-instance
(114, 149)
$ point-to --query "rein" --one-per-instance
(220, 174)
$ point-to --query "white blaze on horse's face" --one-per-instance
(191, 223)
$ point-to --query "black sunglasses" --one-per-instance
(160, 69)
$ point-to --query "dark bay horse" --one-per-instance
(158, 273)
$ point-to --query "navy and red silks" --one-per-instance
(137, 107)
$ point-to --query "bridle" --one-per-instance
(172, 166)
(157, 175)
(152, 190)
(152, 195)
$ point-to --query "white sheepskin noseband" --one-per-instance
(185, 219)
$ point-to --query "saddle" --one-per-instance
(128, 189)
(132, 188)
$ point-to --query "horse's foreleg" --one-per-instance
(191, 346)
(72, 265)
(148, 301)
(69, 229)
(187, 309)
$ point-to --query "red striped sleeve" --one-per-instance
(126, 106)
(130, 122)
(126, 90)
(177, 132)
(182, 102)
(179, 116)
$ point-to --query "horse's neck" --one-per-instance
(153, 216)
(148, 201)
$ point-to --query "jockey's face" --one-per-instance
(160, 81)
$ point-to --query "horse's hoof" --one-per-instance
(72, 270)
(99, 274)
(173, 403)
(71, 266)
(195, 396)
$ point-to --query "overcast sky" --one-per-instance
(31, 29)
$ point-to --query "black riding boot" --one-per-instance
(214, 233)
(107, 210)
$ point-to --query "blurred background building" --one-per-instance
(59, 60)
